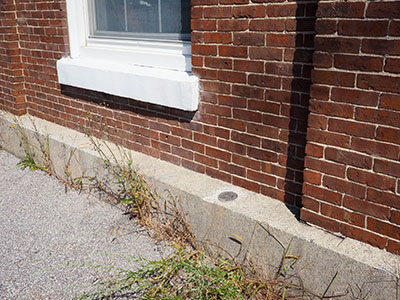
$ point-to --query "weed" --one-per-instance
(37, 152)
(184, 275)
(129, 188)
(28, 161)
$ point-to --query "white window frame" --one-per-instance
(157, 72)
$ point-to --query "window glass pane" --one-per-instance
(143, 16)
(110, 15)
(175, 16)
(166, 19)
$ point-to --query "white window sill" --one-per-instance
(156, 72)
(171, 88)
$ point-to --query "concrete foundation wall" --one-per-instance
(253, 228)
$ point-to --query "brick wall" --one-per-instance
(254, 60)
(352, 165)
(12, 95)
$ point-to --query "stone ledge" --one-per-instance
(266, 226)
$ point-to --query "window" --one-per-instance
(142, 19)
(138, 49)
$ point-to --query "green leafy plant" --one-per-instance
(28, 161)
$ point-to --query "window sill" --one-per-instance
(171, 88)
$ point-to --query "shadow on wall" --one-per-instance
(299, 101)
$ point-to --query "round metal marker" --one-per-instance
(227, 196)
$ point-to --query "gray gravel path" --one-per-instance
(43, 229)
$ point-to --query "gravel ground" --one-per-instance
(44, 230)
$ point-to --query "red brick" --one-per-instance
(233, 51)
(217, 38)
(366, 207)
(363, 235)
(378, 116)
(243, 114)
(285, 10)
(332, 109)
(250, 185)
(337, 44)
(205, 139)
(324, 26)
(262, 154)
(232, 169)
(264, 80)
(387, 167)
(247, 38)
(363, 28)
(246, 162)
(197, 147)
(232, 101)
(393, 247)
(343, 186)
(232, 147)
(310, 204)
(385, 9)
(359, 63)
(218, 63)
(341, 9)
(203, 25)
(388, 134)
(217, 12)
(371, 179)
(193, 166)
(206, 160)
(205, 73)
(314, 150)
(322, 193)
(218, 174)
(380, 46)
(231, 123)
(248, 91)
(324, 137)
(248, 66)
(267, 53)
(213, 152)
(233, 25)
(281, 40)
(261, 177)
(355, 96)
(383, 228)
(262, 130)
(254, 11)
(267, 25)
(319, 220)
(325, 167)
(333, 78)
(204, 49)
(395, 217)
(352, 128)
(170, 158)
(218, 87)
(312, 177)
(231, 76)
(384, 198)
(392, 65)
(350, 158)
(322, 60)
(375, 148)
(319, 92)
(378, 82)
(394, 28)
(276, 68)
(246, 139)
